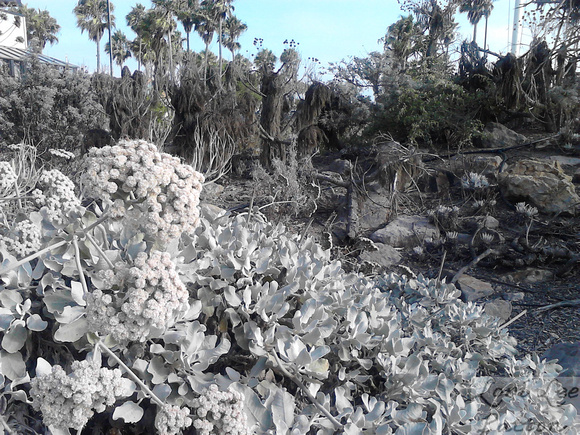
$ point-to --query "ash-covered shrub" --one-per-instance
(239, 326)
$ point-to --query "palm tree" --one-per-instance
(186, 15)
(476, 10)
(402, 39)
(205, 26)
(134, 20)
(40, 26)
(92, 17)
(166, 25)
(233, 29)
(121, 48)
(222, 8)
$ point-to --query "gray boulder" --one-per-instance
(496, 135)
(568, 356)
(384, 256)
(406, 232)
(541, 183)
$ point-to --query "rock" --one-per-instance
(565, 160)
(576, 176)
(373, 210)
(482, 222)
(385, 255)
(340, 166)
(541, 183)
(483, 165)
(211, 212)
(499, 308)
(211, 190)
(529, 275)
(514, 297)
(472, 288)
(406, 232)
(568, 356)
(496, 135)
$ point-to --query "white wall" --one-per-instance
(12, 35)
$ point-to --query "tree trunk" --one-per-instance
(271, 118)
(171, 58)
(98, 55)
(205, 64)
(220, 53)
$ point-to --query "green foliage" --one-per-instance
(430, 111)
(47, 107)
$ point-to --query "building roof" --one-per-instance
(20, 55)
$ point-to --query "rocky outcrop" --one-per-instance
(541, 183)
(496, 135)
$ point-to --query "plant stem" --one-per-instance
(15, 198)
(32, 257)
(96, 245)
(305, 390)
(5, 426)
(80, 266)
(129, 372)
(99, 221)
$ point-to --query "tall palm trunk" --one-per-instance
(171, 58)
(98, 55)
(220, 52)
(205, 66)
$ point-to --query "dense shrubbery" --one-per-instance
(265, 333)
(429, 111)
(47, 107)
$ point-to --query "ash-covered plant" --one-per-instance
(56, 195)
(288, 187)
(135, 301)
(368, 355)
(151, 191)
(69, 400)
(22, 238)
(240, 326)
(445, 217)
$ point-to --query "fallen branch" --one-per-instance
(471, 264)
(494, 150)
(572, 303)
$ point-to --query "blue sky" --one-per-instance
(329, 30)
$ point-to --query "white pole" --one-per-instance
(516, 28)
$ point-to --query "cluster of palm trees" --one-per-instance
(157, 41)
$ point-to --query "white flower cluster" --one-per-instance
(69, 401)
(526, 209)
(8, 177)
(474, 181)
(57, 193)
(220, 412)
(170, 420)
(166, 192)
(25, 238)
(145, 298)
(63, 154)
